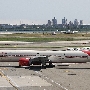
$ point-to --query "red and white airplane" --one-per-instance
(28, 57)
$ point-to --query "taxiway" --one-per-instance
(74, 77)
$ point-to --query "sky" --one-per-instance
(40, 11)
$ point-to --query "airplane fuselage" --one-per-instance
(53, 56)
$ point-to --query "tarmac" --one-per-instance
(60, 77)
(72, 77)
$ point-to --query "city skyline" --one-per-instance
(39, 12)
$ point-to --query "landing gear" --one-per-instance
(29, 67)
(50, 64)
(43, 66)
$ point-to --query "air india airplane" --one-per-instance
(29, 57)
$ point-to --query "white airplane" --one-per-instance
(29, 57)
(69, 32)
(86, 48)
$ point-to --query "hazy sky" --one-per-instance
(40, 11)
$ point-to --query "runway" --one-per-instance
(43, 45)
(74, 77)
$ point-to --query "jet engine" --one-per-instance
(24, 61)
(28, 62)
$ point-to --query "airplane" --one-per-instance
(29, 57)
(69, 32)
(86, 48)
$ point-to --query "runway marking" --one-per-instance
(51, 80)
(23, 81)
(12, 81)
(8, 79)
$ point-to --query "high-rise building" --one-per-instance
(49, 23)
(64, 21)
(81, 22)
(54, 22)
(70, 23)
(76, 23)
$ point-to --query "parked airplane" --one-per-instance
(86, 48)
(69, 32)
(29, 57)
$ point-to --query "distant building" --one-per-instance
(16, 26)
(54, 22)
(64, 21)
(70, 23)
(76, 23)
(6, 26)
(49, 23)
(23, 26)
(81, 22)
